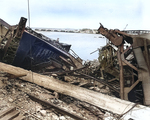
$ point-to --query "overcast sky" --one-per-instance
(113, 14)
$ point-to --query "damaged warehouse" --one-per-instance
(30, 60)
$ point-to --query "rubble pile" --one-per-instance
(14, 92)
(41, 78)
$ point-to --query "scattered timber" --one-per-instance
(11, 113)
(62, 110)
(105, 102)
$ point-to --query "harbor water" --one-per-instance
(82, 44)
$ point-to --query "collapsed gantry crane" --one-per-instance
(138, 48)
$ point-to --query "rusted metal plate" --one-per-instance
(111, 35)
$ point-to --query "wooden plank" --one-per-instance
(10, 116)
(7, 111)
(19, 117)
(58, 108)
(112, 80)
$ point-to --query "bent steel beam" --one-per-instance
(111, 35)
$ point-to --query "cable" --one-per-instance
(128, 110)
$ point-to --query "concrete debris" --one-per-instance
(62, 118)
(38, 108)
(10, 100)
(43, 112)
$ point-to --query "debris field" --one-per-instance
(43, 79)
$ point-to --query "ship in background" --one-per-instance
(23, 47)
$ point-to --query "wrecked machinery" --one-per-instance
(125, 62)
(23, 47)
